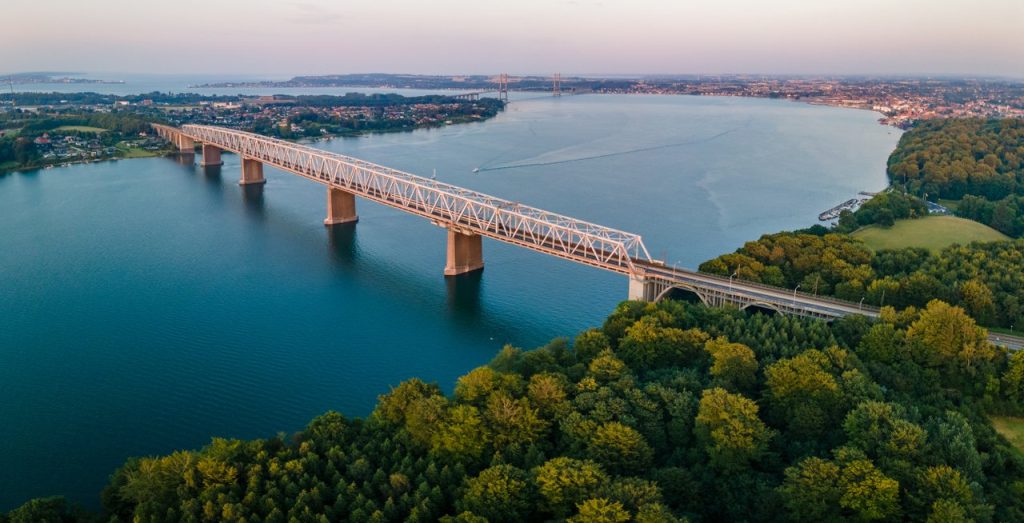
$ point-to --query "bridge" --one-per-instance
(501, 89)
(469, 216)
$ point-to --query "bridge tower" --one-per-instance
(556, 87)
(503, 87)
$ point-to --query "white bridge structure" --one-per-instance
(469, 216)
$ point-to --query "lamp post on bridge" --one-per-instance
(794, 295)
(860, 306)
(731, 276)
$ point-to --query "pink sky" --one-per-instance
(282, 37)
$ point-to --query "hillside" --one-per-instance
(933, 233)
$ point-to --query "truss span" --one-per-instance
(473, 214)
(446, 205)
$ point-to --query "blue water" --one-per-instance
(148, 305)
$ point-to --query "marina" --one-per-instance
(849, 205)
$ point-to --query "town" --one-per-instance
(41, 129)
(901, 101)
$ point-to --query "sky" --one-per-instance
(287, 37)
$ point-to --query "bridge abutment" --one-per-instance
(211, 156)
(641, 289)
(341, 207)
(252, 172)
(465, 253)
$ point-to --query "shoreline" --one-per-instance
(328, 137)
(304, 139)
(808, 101)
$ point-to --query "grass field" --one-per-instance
(932, 232)
(134, 152)
(950, 204)
(1011, 428)
(81, 129)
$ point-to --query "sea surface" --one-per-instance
(149, 305)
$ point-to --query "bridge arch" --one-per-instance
(683, 292)
(761, 306)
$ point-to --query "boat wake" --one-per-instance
(606, 155)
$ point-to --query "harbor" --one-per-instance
(849, 205)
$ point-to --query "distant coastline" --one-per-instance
(53, 78)
(146, 147)
(901, 101)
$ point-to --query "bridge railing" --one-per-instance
(447, 204)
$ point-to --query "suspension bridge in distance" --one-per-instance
(501, 89)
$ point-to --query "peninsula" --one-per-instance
(40, 129)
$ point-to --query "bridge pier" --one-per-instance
(185, 144)
(341, 207)
(252, 172)
(641, 289)
(211, 156)
(465, 253)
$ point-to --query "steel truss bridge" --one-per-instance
(469, 215)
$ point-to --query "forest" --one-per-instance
(979, 162)
(953, 158)
(669, 412)
(1005, 216)
(987, 279)
(416, 112)
(883, 209)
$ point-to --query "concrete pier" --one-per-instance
(185, 144)
(465, 253)
(341, 207)
(211, 156)
(640, 289)
(252, 172)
